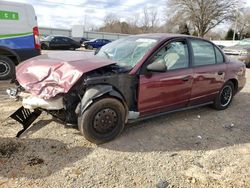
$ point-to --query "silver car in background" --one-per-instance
(240, 51)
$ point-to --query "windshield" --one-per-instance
(244, 42)
(48, 38)
(127, 51)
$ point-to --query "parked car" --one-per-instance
(95, 43)
(221, 46)
(59, 43)
(240, 51)
(83, 40)
(18, 36)
(80, 39)
(128, 80)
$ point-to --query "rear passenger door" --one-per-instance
(209, 71)
(66, 43)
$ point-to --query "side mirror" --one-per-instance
(158, 66)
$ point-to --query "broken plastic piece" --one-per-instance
(25, 117)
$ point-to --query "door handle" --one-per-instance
(220, 73)
(185, 79)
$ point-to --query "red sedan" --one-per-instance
(130, 79)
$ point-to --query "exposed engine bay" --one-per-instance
(110, 80)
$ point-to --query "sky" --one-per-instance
(65, 13)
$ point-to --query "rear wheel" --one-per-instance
(224, 97)
(102, 121)
(7, 68)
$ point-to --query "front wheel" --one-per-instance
(224, 97)
(7, 68)
(44, 47)
(102, 121)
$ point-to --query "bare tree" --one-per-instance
(149, 20)
(110, 19)
(243, 24)
(174, 22)
(111, 24)
(204, 14)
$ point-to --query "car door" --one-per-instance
(169, 90)
(57, 43)
(65, 43)
(209, 71)
(53, 43)
(98, 43)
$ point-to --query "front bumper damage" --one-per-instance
(32, 107)
(25, 117)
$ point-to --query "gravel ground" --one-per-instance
(195, 148)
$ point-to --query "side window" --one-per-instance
(174, 55)
(219, 56)
(203, 53)
(57, 40)
(65, 39)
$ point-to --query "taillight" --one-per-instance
(36, 38)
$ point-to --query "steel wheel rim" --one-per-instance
(105, 121)
(226, 96)
(4, 68)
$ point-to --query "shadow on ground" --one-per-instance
(36, 158)
(198, 129)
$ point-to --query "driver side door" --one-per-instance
(161, 91)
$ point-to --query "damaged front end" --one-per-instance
(57, 91)
(32, 107)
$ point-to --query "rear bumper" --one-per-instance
(27, 53)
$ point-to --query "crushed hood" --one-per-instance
(50, 74)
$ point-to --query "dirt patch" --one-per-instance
(35, 161)
(8, 149)
(196, 148)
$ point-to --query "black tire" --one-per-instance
(86, 46)
(44, 47)
(248, 65)
(7, 68)
(224, 97)
(102, 121)
(89, 47)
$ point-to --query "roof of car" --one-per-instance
(164, 35)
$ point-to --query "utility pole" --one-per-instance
(236, 23)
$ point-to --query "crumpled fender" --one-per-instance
(96, 92)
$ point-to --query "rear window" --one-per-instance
(203, 53)
(219, 56)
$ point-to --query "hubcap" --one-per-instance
(226, 95)
(105, 120)
(4, 68)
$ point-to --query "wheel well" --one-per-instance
(235, 83)
(9, 54)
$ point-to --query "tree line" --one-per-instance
(192, 17)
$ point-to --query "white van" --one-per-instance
(18, 36)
